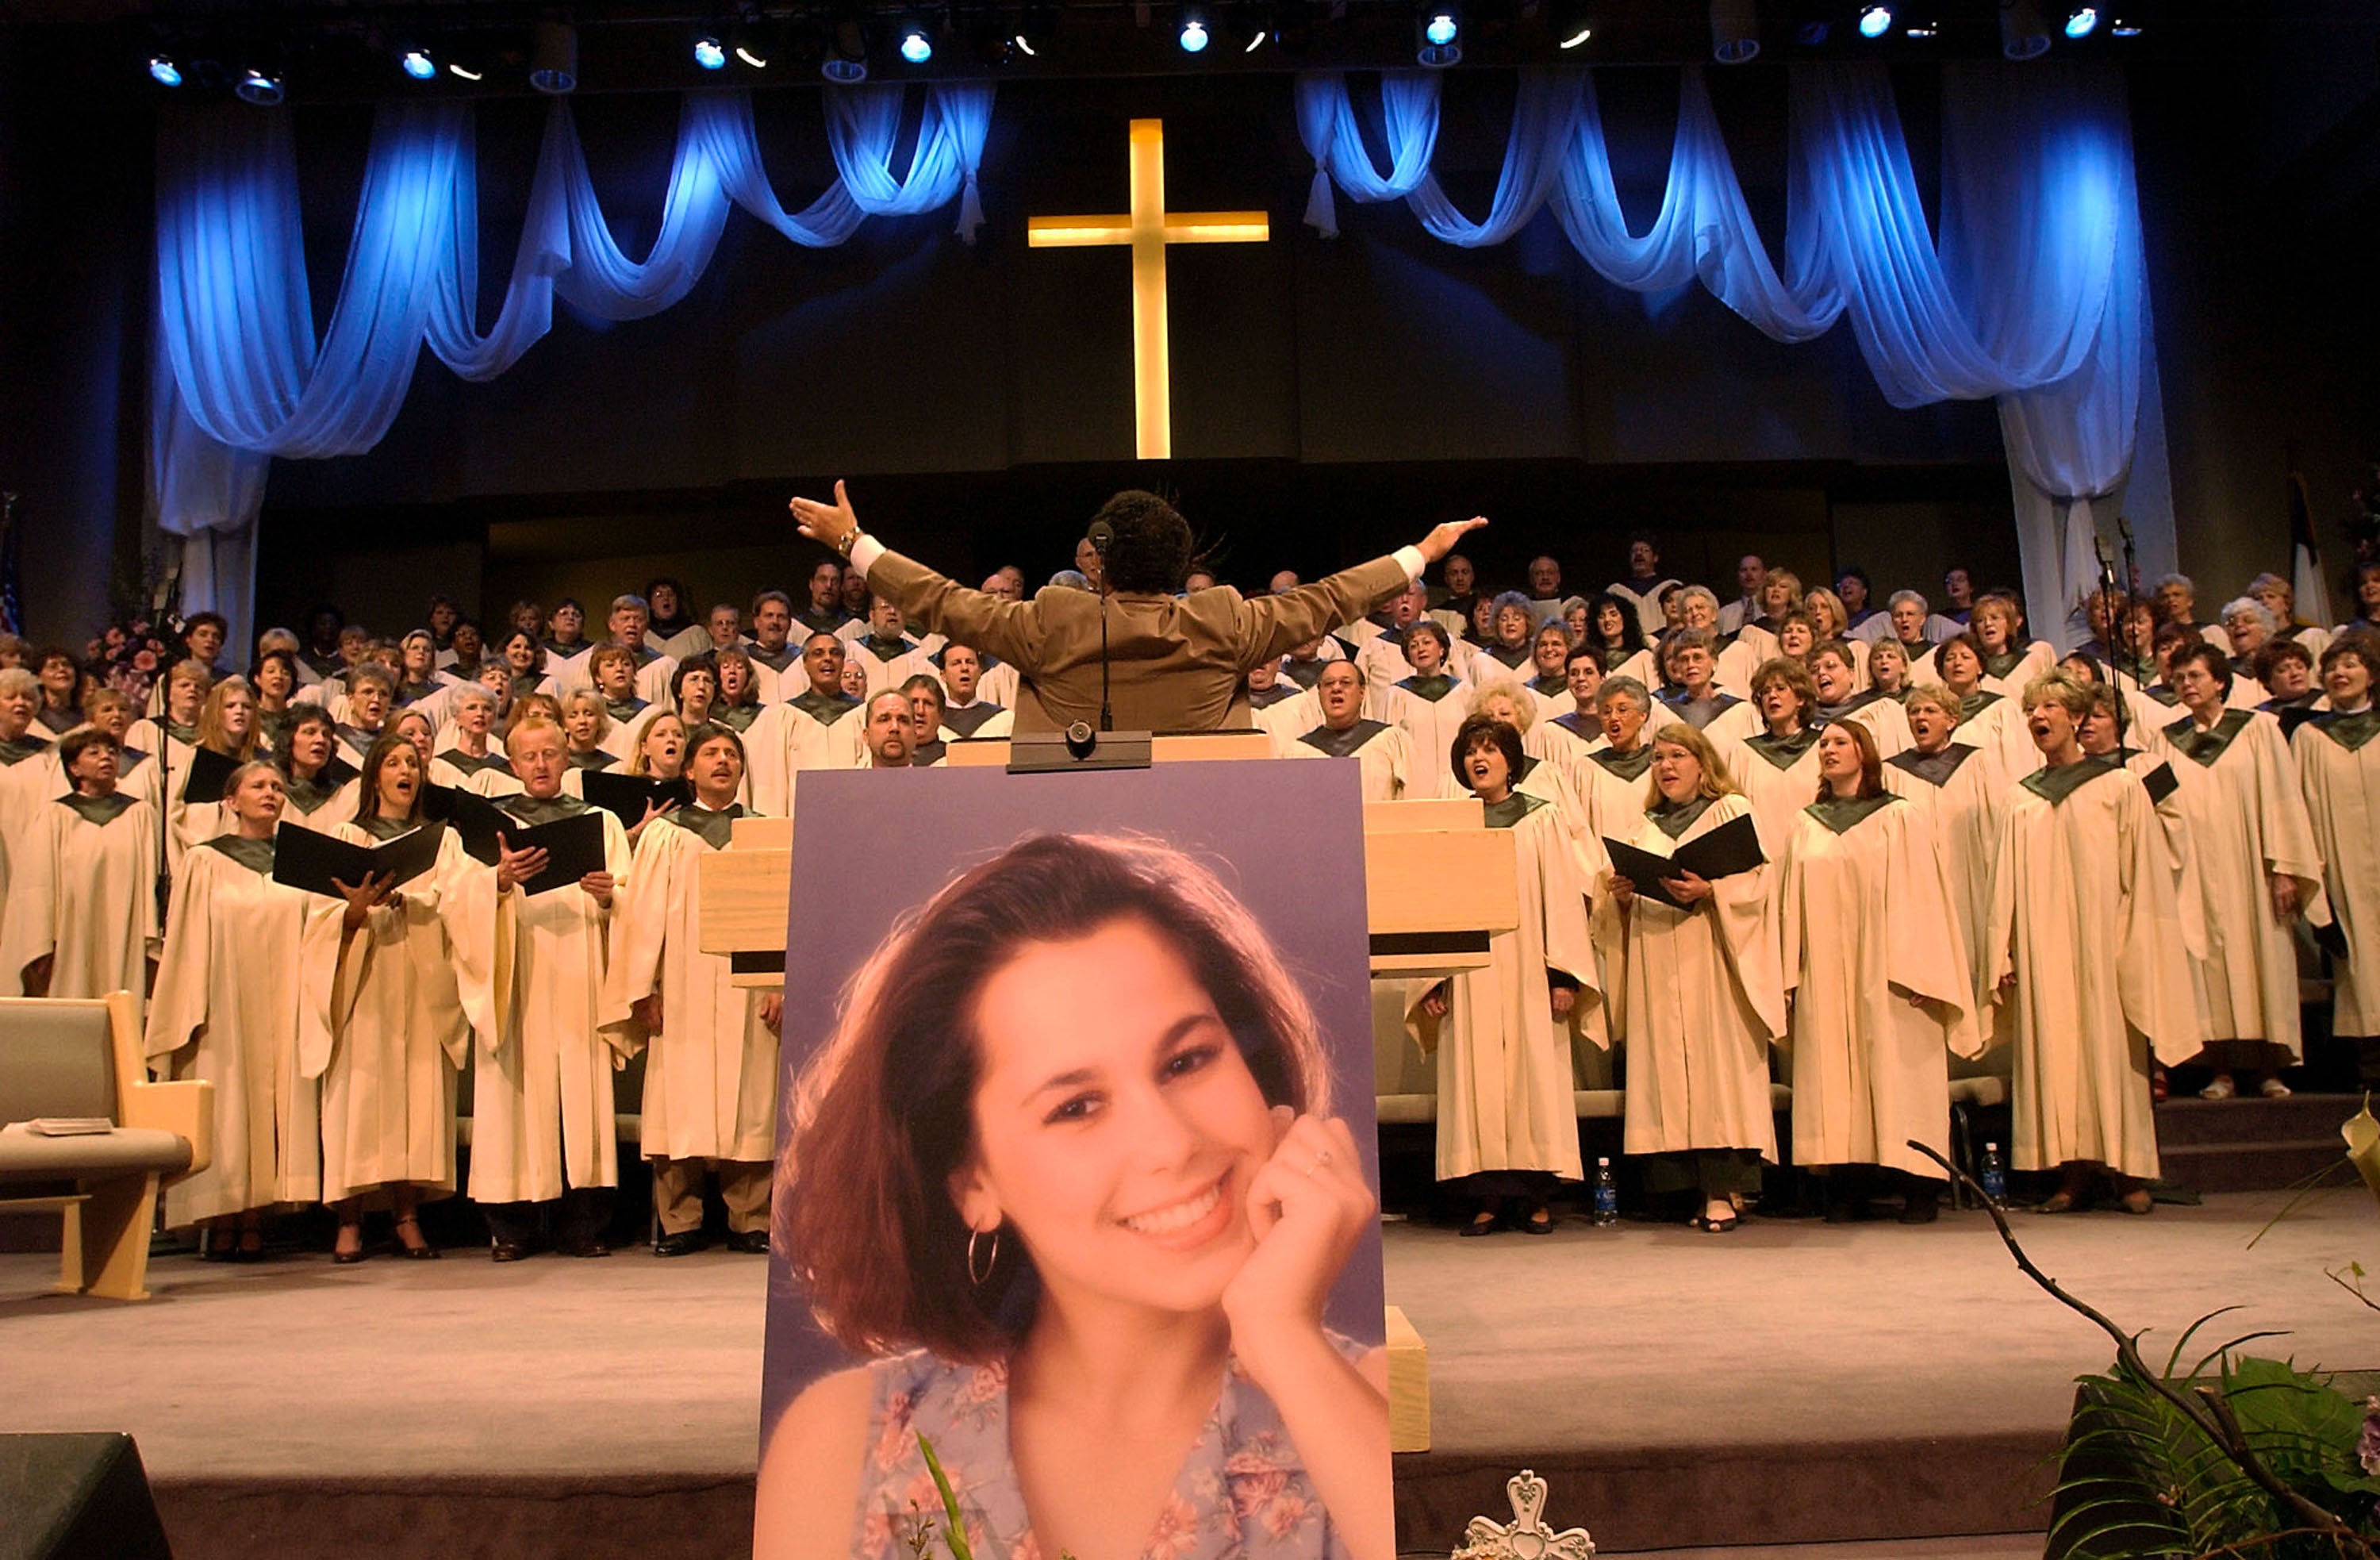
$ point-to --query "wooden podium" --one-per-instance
(1437, 881)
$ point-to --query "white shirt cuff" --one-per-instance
(867, 550)
(1408, 559)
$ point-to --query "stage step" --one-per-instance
(2251, 1145)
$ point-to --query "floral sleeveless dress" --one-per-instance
(1241, 1494)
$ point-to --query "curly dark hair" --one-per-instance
(1150, 554)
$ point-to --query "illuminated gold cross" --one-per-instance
(1148, 229)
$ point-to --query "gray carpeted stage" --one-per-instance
(1789, 1383)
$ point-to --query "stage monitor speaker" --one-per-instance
(77, 1497)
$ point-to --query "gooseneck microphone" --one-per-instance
(1102, 537)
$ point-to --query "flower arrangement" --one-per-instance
(131, 653)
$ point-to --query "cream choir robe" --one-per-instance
(711, 1074)
(815, 731)
(83, 892)
(776, 673)
(489, 776)
(983, 718)
(1551, 695)
(1563, 737)
(2012, 671)
(1383, 754)
(2246, 813)
(1644, 595)
(228, 1008)
(1429, 711)
(1779, 777)
(384, 1030)
(1552, 784)
(1962, 793)
(161, 781)
(1704, 1001)
(1504, 1068)
(1284, 712)
(654, 673)
(629, 717)
(1994, 725)
(1381, 662)
(1614, 786)
(2083, 918)
(326, 801)
(1865, 924)
(887, 663)
(1637, 664)
(1885, 721)
(29, 780)
(2338, 769)
(1736, 661)
(532, 972)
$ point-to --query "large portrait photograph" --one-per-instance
(1075, 1236)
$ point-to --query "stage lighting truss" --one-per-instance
(1437, 36)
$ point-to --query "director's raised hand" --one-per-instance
(1442, 538)
(834, 524)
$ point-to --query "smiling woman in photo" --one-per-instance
(1064, 1174)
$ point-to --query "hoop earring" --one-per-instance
(979, 1278)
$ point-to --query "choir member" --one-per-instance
(1428, 707)
(1780, 592)
(2279, 598)
(694, 689)
(1504, 700)
(30, 779)
(884, 651)
(1513, 626)
(1641, 590)
(319, 660)
(1693, 696)
(739, 704)
(2101, 737)
(853, 681)
(2084, 957)
(565, 644)
(2339, 769)
(1453, 605)
(227, 1009)
(890, 728)
(1989, 720)
(82, 887)
(1888, 670)
(318, 787)
(1282, 709)
(1384, 754)
(419, 684)
(1959, 595)
(967, 709)
(589, 730)
(1611, 781)
(855, 593)
(227, 727)
(1549, 685)
(1835, 674)
(1482, 631)
(275, 683)
(2010, 663)
(544, 1144)
(630, 622)
(1853, 589)
(473, 764)
(1881, 985)
(2257, 870)
(61, 683)
(2367, 600)
(821, 729)
(824, 613)
(2284, 669)
(667, 614)
(924, 696)
(1797, 635)
(1619, 640)
(1702, 1001)
(1829, 619)
(661, 752)
(1751, 570)
(463, 661)
(171, 735)
(1565, 734)
(1734, 657)
(1914, 629)
(1964, 793)
(1777, 766)
(710, 1067)
(1507, 1126)
(626, 711)
(523, 658)
(385, 1031)
(371, 694)
(2176, 603)
(1545, 598)
(1381, 658)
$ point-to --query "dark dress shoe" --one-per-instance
(507, 1252)
(753, 1242)
(1923, 1207)
(681, 1245)
(591, 1246)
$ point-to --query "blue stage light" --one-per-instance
(418, 64)
(1442, 29)
(1875, 21)
(164, 71)
(916, 44)
(264, 88)
(1193, 36)
(709, 54)
(2082, 21)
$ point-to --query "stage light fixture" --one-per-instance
(416, 62)
(2024, 30)
(2082, 21)
(164, 71)
(917, 43)
(553, 57)
(1193, 36)
(463, 72)
(753, 46)
(1875, 21)
(264, 88)
(846, 57)
(1571, 24)
(1036, 25)
(1438, 36)
(1735, 31)
(709, 53)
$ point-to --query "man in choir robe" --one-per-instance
(924, 696)
(1304, 663)
(1282, 711)
(1172, 663)
(1385, 753)
(544, 1141)
(82, 893)
(1452, 604)
(2339, 769)
(1851, 587)
(965, 709)
(822, 729)
(1428, 707)
(711, 1066)
(885, 651)
(889, 725)
(1835, 674)
(1959, 593)
(630, 617)
(2085, 958)
(1546, 597)
(1751, 570)
(1381, 659)
(1641, 589)
(2257, 870)
(824, 614)
(774, 653)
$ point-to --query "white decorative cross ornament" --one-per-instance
(1528, 1538)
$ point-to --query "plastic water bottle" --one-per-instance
(1995, 1175)
(1607, 1194)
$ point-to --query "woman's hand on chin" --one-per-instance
(1307, 1206)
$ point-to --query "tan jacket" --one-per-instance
(1175, 663)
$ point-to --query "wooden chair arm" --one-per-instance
(185, 1107)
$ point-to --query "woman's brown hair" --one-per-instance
(1871, 784)
(383, 749)
(883, 1113)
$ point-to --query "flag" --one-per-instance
(2305, 563)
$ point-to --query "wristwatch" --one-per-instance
(848, 542)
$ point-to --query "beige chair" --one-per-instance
(69, 1058)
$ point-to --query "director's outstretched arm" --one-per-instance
(1011, 630)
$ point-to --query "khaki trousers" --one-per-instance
(743, 1185)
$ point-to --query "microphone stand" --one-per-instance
(1101, 536)
(2115, 631)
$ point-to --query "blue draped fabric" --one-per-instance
(239, 377)
(2035, 294)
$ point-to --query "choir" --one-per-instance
(1971, 857)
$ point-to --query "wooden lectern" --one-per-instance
(1437, 881)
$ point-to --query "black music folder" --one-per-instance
(303, 859)
(1732, 847)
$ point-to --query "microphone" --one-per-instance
(1102, 537)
